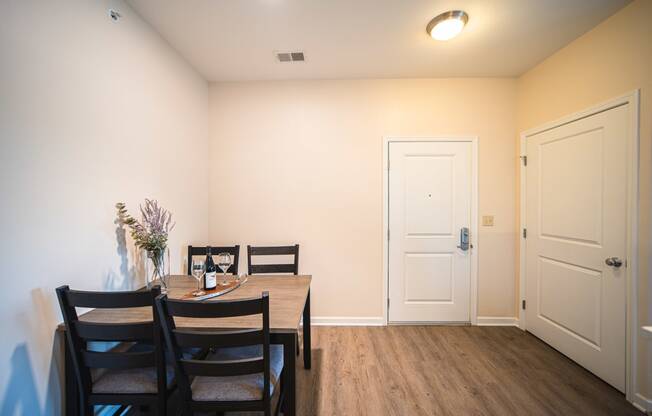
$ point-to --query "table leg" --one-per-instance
(72, 392)
(289, 342)
(307, 352)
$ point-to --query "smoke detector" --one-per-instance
(290, 56)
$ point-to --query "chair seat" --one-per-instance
(238, 388)
(128, 381)
(133, 380)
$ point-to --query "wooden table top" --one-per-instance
(287, 297)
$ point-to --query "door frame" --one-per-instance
(473, 238)
(631, 99)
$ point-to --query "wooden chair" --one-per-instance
(201, 251)
(273, 251)
(135, 376)
(243, 370)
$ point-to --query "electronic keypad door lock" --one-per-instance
(464, 239)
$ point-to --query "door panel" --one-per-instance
(571, 187)
(576, 217)
(428, 277)
(429, 201)
(581, 316)
(423, 198)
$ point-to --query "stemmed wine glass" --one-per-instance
(224, 261)
(198, 271)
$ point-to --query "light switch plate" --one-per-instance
(488, 220)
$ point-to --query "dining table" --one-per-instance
(289, 303)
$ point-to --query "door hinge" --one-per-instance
(523, 304)
(387, 303)
(524, 159)
(388, 234)
(524, 232)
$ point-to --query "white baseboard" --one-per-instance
(347, 321)
(496, 321)
(379, 321)
(642, 403)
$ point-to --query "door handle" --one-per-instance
(613, 261)
(464, 239)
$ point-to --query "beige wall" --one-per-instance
(302, 162)
(612, 59)
(91, 112)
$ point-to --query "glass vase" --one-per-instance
(158, 269)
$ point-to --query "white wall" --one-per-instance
(301, 161)
(91, 112)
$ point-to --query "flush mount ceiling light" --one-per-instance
(447, 25)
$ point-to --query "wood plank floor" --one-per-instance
(444, 370)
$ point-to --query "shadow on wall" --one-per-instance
(129, 278)
(21, 396)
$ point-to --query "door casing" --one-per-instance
(632, 100)
(474, 216)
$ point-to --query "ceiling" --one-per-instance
(236, 40)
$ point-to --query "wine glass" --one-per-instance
(224, 261)
(198, 271)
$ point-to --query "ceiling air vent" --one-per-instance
(290, 56)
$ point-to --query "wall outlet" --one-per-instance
(487, 220)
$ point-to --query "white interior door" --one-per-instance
(429, 203)
(576, 220)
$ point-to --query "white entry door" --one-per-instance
(576, 241)
(429, 204)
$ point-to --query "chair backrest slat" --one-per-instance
(118, 360)
(271, 268)
(273, 251)
(234, 251)
(112, 300)
(222, 339)
(95, 331)
(214, 309)
(223, 368)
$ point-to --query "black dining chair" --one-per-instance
(234, 251)
(242, 371)
(273, 251)
(132, 373)
(274, 268)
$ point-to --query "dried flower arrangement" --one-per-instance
(150, 233)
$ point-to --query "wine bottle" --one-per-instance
(210, 281)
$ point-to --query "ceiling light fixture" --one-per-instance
(447, 25)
